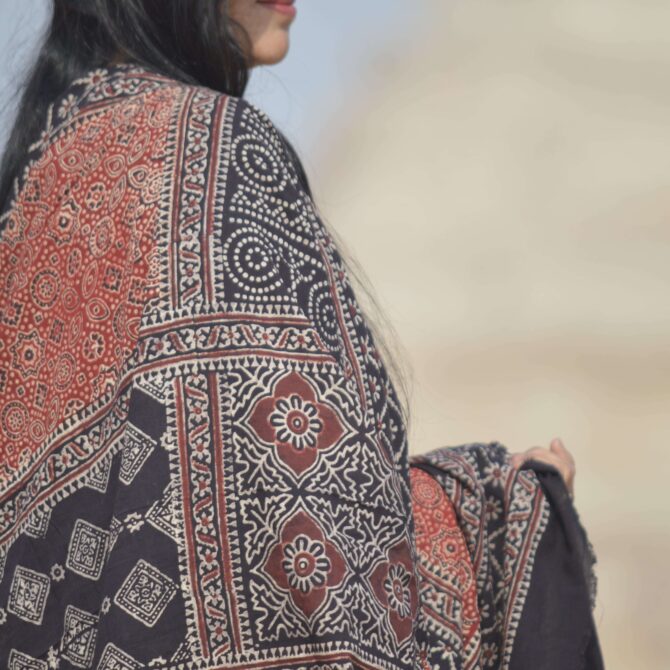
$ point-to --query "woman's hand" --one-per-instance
(557, 455)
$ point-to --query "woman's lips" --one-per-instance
(283, 6)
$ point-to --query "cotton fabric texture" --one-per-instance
(203, 462)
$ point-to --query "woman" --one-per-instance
(203, 460)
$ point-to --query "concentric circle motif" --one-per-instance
(322, 313)
(97, 310)
(70, 299)
(102, 237)
(64, 372)
(253, 263)
(14, 419)
(37, 431)
(45, 287)
(426, 492)
(258, 164)
(89, 281)
(115, 165)
(138, 177)
(76, 325)
(72, 161)
(139, 147)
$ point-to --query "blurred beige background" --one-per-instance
(505, 181)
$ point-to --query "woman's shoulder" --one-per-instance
(127, 94)
(127, 110)
(223, 127)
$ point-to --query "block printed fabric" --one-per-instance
(203, 462)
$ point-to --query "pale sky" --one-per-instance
(332, 47)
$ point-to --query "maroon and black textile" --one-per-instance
(528, 560)
(203, 462)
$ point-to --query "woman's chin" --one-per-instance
(272, 49)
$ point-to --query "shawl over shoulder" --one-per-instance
(203, 461)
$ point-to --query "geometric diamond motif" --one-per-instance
(138, 446)
(87, 550)
(38, 523)
(28, 594)
(79, 633)
(161, 513)
(145, 593)
(114, 658)
(98, 476)
(182, 654)
(21, 661)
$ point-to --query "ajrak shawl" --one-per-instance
(203, 462)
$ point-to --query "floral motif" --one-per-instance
(397, 589)
(258, 569)
(294, 420)
(489, 654)
(57, 572)
(14, 419)
(52, 658)
(394, 585)
(45, 288)
(304, 563)
(493, 508)
(94, 346)
(495, 474)
(28, 353)
(67, 107)
(102, 237)
(64, 371)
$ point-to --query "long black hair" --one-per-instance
(194, 41)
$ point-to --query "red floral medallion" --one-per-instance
(295, 422)
(394, 584)
(305, 563)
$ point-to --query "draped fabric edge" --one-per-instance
(530, 557)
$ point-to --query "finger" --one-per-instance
(559, 459)
(564, 469)
(567, 462)
(558, 447)
(550, 458)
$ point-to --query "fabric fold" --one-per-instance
(529, 558)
